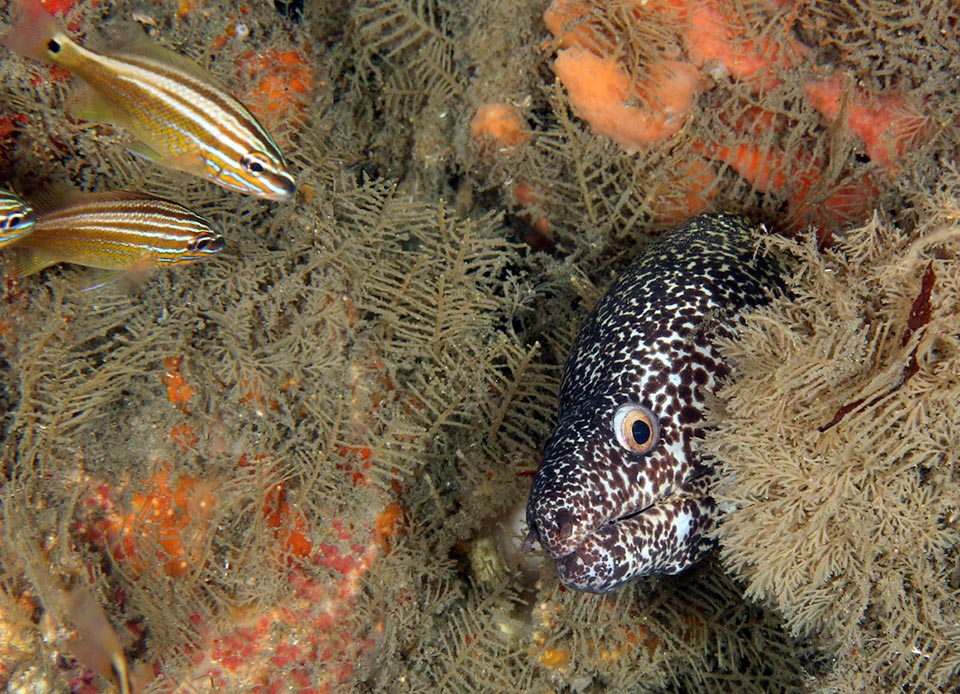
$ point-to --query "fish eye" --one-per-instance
(206, 243)
(637, 429)
(53, 46)
(255, 163)
(13, 221)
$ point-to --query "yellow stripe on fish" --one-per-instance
(16, 217)
(179, 114)
(116, 231)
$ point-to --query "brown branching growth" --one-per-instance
(687, 634)
(850, 530)
(389, 343)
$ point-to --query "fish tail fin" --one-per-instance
(33, 32)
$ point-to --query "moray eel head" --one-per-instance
(616, 504)
(621, 491)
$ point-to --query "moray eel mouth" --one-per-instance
(563, 532)
(599, 552)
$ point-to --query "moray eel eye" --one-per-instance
(637, 429)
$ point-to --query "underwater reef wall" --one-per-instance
(299, 466)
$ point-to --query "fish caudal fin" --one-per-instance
(33, 32)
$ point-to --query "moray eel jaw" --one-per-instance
(621, 550)
(606, 515)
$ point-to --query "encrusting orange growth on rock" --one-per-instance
(556, 658)
(602, 92)
(288, 524)
(184, 436)
(281, 83)
(847, 204)
(252, 394)
(530, 198)
(500, 123)
(166, 524)
(634, 74)
(570, 21)
(888, 124)
(185, 7)
(59, 7)
(179, 391)
(716, 33)
(567, 21)
(687, 192)
(389, 524)
(634, 105)
(768, 170)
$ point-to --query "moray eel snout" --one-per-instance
(592, 501)
(621, 490)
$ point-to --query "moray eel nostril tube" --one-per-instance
(621, 491)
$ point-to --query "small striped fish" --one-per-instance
(179, 114)
(116, 231)
(16, 217)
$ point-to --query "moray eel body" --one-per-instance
(621, 491)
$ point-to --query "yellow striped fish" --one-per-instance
(117, 231)
(179, 114)
(16, 217)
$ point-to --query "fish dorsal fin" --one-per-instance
(130, 41)
(53, 196)
(56, 196)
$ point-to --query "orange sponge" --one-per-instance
(603, 94)
(717, 34)
(500, 123)
(888, 124)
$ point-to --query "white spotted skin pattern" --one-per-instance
(605, 514)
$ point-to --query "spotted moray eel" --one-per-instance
(621, 491)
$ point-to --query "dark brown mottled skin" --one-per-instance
(607, 514)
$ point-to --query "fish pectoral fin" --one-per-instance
(142, 149)
(191, 162)
(100, 278)
(129, 279)
(85, 104)
(30, 261)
